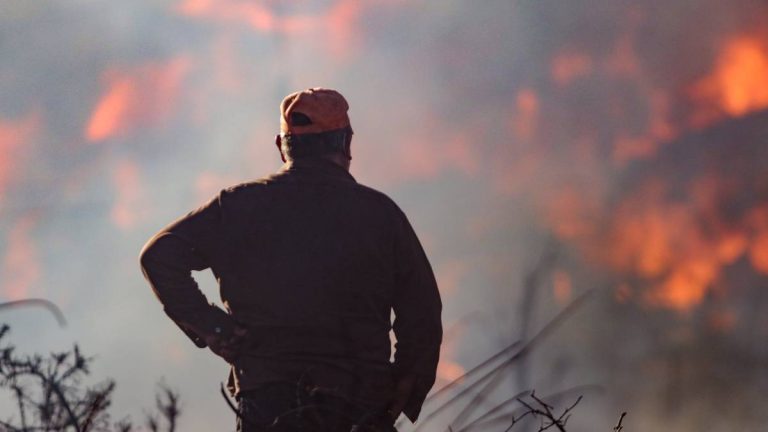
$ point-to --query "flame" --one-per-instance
(128, 209)
(678, 249)
(14, 135)
(20, 266)
(139, 96)
(686, 285)
(738, 84)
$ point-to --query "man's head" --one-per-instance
(314, 124)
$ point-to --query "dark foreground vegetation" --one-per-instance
(49, 393)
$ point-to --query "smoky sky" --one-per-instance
(502, 128)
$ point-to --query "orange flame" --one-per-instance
(738, 85)
(145, 95)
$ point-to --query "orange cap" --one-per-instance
(325, 108)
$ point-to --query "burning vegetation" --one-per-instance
(630, 132)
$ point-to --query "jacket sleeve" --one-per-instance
(167, 260)
(417, 326)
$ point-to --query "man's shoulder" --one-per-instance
(375, 195)
(253, 188)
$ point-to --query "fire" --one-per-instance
(737, 85)
(676, 250)
(112, 110)
(668, 244)
(139, 96)
(14, 135)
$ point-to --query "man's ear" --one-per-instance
(278, 143)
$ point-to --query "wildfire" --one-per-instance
(737, 85)
(140, 96)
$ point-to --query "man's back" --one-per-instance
(312, 264)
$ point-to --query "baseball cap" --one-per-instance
(313, 110)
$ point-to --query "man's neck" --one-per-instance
(337, 160)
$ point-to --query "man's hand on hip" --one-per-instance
(403, 389)
(228, 345)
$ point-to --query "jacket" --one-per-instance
(314, 265)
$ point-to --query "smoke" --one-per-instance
(627, 133)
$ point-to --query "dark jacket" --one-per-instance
(313, 264)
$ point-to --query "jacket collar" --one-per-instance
(317, 166)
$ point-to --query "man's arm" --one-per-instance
(167, 260)
(418, 327)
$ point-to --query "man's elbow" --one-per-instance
(152, 252)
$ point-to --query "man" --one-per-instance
(310, 266)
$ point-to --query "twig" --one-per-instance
(46, 304)
(482, 423)
(619, 427)
(548, 329)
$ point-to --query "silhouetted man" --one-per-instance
(310, 266)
